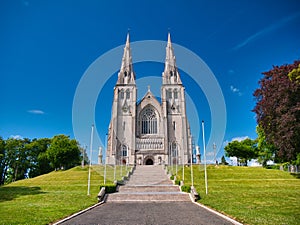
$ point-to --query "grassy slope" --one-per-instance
(47, 198)
(251, 195)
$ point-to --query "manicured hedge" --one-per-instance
(186, 188)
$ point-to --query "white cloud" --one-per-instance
(36, 111)
(239, 138)
(267, 30)
(226, 142)
(235, 90)
(16, 136)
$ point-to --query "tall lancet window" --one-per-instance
(149, 121)
(122, 94)
(169, 93)
(175, 94)
(127, 94)
(124, 150)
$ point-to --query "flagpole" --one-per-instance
(91, 150)
(192, 174)
(105, 149)
(176, 151)
(121, 167)
(182, 164)
(115, 166)
(104, 178)
(204, 152)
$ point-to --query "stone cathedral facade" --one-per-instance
(149, 132)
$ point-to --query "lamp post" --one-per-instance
(204, 152)
(105, 150)
(121, 162)
(127, 158)
(91, 151)
(215, 154)
(115, 161)
(182, 163)
(192, 174)
(176, 157)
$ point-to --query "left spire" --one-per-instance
(126, 74)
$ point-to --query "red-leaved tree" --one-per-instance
(278, 110)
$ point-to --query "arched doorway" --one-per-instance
(149, 162)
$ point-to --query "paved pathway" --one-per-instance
(172, 213)
(148, 198)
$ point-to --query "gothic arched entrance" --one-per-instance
(149, 160)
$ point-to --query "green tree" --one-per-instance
(3, 164)
(294, 75)
(297, 161)
(244, 150)
(223, 161)
(266, 152)
(39, 163)
(16, 158)
(63, 152)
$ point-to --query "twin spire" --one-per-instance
(170, 74)
(126, 74)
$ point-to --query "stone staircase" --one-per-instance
(148, 183)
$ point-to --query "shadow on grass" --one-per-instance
(296, 175)
(10, 193)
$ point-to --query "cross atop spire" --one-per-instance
(170, 74)
(126, 74)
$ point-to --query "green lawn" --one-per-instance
(250, 195)
(49, 197)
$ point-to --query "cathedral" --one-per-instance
(149, 131)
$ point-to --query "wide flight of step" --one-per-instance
(148, 183)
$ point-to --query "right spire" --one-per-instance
(170, 74)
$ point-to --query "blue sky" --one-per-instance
(46, 47)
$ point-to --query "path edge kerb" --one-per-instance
(80, 212)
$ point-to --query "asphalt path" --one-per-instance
(148, 213)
